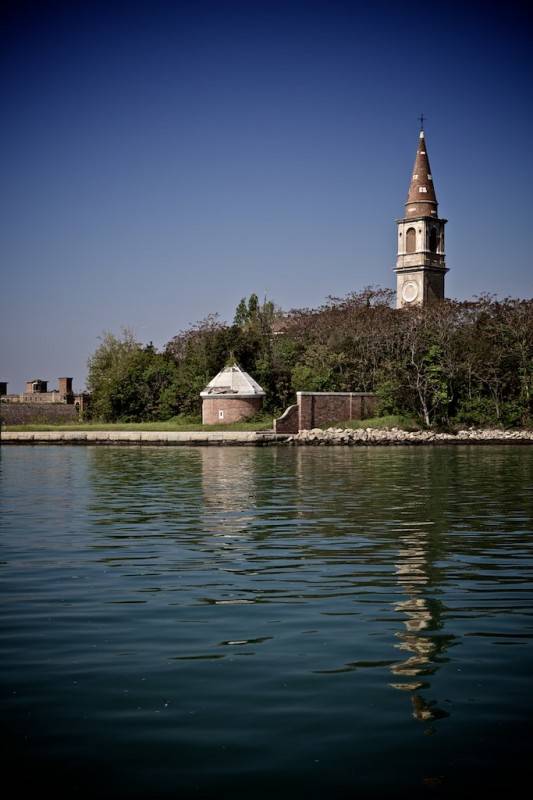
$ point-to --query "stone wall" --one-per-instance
(234, 409)
(37, 413)
(316, 409)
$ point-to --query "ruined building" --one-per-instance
(37, 404)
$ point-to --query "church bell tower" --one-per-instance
(420, 266)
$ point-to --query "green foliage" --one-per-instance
(449, 363)
(129, 382)
(181, 420)
(241, 313)
(480, 411)
(475, 411)
(389, 392)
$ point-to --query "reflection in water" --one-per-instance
(423, 617)
(192, 620)
(422, 533)
(229, 489)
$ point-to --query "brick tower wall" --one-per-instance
(65, 387)
(235, 409)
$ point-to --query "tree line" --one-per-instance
(468, 362)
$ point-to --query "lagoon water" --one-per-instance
(248, 622)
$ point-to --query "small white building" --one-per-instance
(232, 396)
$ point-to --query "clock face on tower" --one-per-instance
(409, 291)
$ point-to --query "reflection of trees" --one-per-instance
(315, 525)
(143, 489)
(192, 491)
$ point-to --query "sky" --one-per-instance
(161, 160)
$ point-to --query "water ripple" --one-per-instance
(208, 619)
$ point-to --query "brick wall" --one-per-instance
(288, 422)
(236, 409)
(316, 409)
(37, 413)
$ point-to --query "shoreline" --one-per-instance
(315, 437)
(164, 438)
(396, 436)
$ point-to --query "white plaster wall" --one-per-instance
(422, 228)
(410, 277)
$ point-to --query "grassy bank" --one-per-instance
(256, 425)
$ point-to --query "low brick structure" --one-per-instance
(227, 410)
(316, 409)
(38, 413)
(232, 396)
(38, 405)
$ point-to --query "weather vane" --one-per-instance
(422, 118)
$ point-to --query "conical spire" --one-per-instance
(421, 200)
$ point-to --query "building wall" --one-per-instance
(81, 400)
(422, 269)
(43, 398)
(423, 228)
(289, 420)
(37, 413)
(234, 409)
(36, 387)
(65, 387)
(434, 289)
(316, 409)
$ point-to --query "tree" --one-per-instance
(452, 361)
(107, 366)
(129, 382)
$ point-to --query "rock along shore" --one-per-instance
(395, 436)
(316, 436)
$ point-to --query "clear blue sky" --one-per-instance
(162, 159)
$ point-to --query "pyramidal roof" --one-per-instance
(421, 200)
(232, 381)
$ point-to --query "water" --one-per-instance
(306, 622)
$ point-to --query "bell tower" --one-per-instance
(420, 266)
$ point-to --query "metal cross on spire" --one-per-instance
(422, 118)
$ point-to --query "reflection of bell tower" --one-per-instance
(420, 266)
(422, 638)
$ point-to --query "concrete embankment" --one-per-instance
(316, 436)
(395, 436)
(255, 438)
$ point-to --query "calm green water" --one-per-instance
(311, 622)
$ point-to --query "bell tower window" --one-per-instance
(433, 240)
(410, 240)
